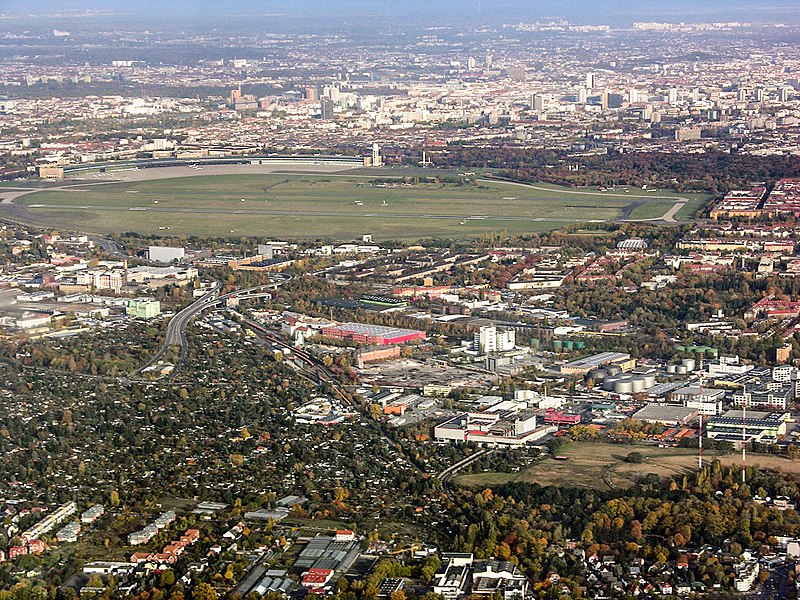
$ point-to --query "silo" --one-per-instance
(557, 345)
(681, 370)
(689, 363)
(609, 382)
(569, 345)
(580, 345)
(670, 368)
(597, 374)
(638, 384)
(624, 386)
(535, 343)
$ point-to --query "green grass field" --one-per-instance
(331, 206)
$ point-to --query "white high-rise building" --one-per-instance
(471, 63)
(591, 81)
(672, 95)
(583, 95)
(537, 103)
(633, 96)
(491, 339)
(377, 159)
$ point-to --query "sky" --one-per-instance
(610, 12)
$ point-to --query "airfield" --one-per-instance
(322, 202)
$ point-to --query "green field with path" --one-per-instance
(339, 206)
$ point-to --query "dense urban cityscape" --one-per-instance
(400, 301)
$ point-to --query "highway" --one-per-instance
(176, 328)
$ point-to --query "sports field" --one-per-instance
(595, 465)
(334, 205)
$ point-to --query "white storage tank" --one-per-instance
(688, 363)
(608, 383)
(624, 386)
(681, 369)
(671, 368)
(649, 381)
(638, 384)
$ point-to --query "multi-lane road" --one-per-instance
(176, 328)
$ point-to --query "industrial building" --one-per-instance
(373, 334)
(507, 423)
(706, 401)
(328, 554)
(459, 575)
(665, 414)
(582, 366)
(165, 254)
(737, 426)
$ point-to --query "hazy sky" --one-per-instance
(437, 11)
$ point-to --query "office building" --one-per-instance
(492, 339)
(326, 108)
(143, 308)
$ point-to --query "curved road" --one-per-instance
(176, 328)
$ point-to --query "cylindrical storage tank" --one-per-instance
(536, 343)
(608, 383)
(557, 345)
(649, 381)
(568, 345)
(613, 370)
(638, 384)
(681, 369)
(670, 368)
(623, 387)
(712, 352)
(597, 374)
(688, 363)
(680, 348)
(580, 345)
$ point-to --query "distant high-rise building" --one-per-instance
(672, 96)
(759, 95)
(590, 81)
(312, 94)
(489, 60)
(326, 108)
(633, 96)
(471, 64)
(537, 103)
(492, 339)
(604, 100)
(783, 94)
(377, 159)
(583, 95)
(741, 94)
(234, 96)
(517, 73)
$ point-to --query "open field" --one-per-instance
(588, 462)
(340, 205)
